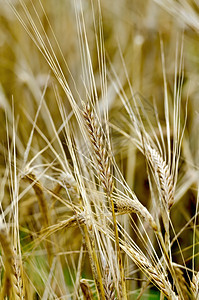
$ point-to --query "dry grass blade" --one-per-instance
(45, 220)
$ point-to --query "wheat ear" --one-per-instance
(157, 277)
(181, 282)
(101, 155)
(13, 282)
(17, 279)
(109, 285)
(86, 290)
(133, 205)
(104, 169)
(165, 185)
(72, 221)
(165, 179)
(195, 286)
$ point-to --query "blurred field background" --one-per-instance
(142, 39)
